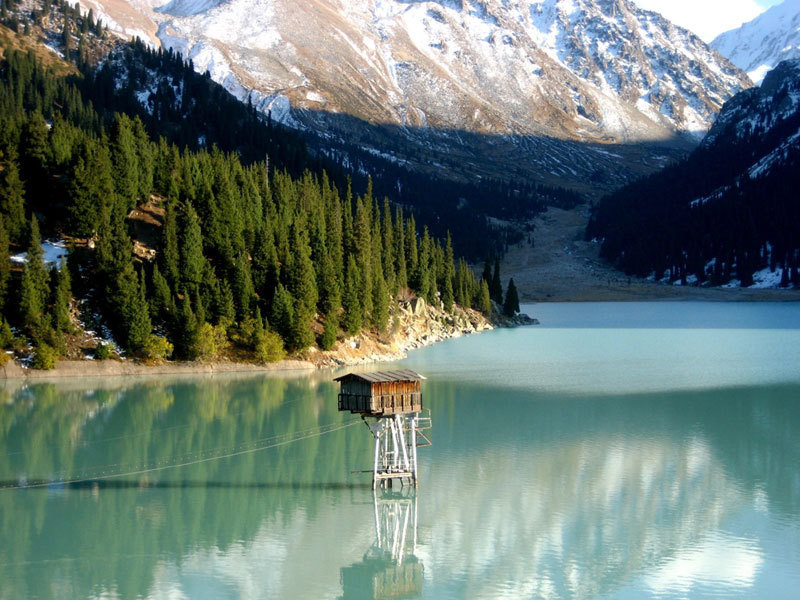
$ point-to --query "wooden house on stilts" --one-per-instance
(394, 400)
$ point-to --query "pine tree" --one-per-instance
(302, 280)
(484, 300)
(487, 272)
(303, 289)
(511, 303)
(12, 200)
(83, 211)
(330, 297)
(387, 235)
(144, 160)
(169, 256)
(34, 288)
(162, 304)
(125, 161)
(66, 38)
(282, 315)
(186, 330)
(411, 251)
(448, 296)
(353, 315)
(62, 293)
(129, 298)
(380, 303)
(227, 311)
(243, 291)
(363, 246)
(329, 332)
(496, 287)
(5, 265)
(422, 280)
(401, 268)
(192, 261)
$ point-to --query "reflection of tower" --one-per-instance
(394, 400)
(390, 568)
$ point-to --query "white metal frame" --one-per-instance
(395, 455)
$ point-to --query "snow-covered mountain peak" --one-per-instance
(589, 71)
(757, 111)
(759, 45)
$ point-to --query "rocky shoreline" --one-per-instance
(416, 324)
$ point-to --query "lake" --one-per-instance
(617, 450)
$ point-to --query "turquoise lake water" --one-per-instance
(617, 450)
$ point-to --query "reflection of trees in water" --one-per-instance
(110, 535)
(519, 492)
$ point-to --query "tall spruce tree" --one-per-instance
(125, 160)
(329, 332)
(401, 268)
(162, 304)
(411, 251)
(496, 286)
(134, 311)
(511, 303)
(282, 315)
(34, 288)
(353, 314)
(484, 300)
(448, 296)
(304, 291)
(380, 303)
(5, 266)
(186, 330)
(169, 257)
(362, 242)
(61, 284)
(12, 200)
(192, 261)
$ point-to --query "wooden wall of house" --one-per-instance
(380, 398)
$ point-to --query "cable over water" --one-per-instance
(103, 472)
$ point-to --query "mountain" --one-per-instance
(730, 213)
(758, 46)
(565, 90)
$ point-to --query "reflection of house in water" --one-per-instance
(390, 568)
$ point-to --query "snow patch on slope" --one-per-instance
(758, 46)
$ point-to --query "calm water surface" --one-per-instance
(615, 451)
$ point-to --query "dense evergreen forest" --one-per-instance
(248, 258)
(710, 218)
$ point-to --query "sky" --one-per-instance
(708, 18)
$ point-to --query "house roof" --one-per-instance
(382, 376)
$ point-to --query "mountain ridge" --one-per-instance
(727, 215)
(759, 45)
(602, 72)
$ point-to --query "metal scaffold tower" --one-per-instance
(390, 402)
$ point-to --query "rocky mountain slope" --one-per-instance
(730, 213)
(497, 84)
(758, 46)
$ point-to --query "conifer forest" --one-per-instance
(191, 237)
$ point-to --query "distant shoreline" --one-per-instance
(563, 267)
(639, 291)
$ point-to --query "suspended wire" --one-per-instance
(159, 466)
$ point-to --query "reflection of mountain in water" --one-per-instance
(603, 490)
(520, 495)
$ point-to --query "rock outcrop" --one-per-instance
(415, 324)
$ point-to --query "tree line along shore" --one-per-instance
(233, 260)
